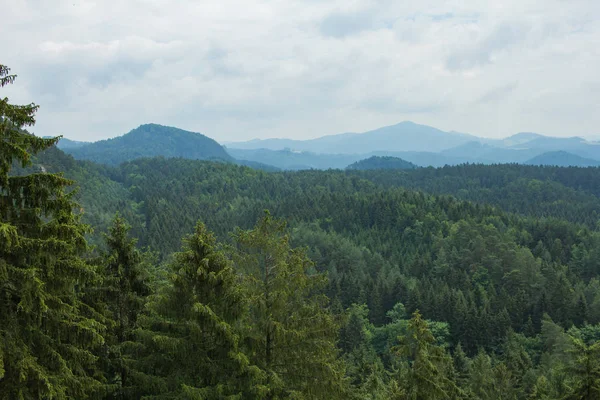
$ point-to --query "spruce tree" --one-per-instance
(291, 334)
(430, 367)
(124, 292)
(46, 336)
(191, 331)
(584, 371)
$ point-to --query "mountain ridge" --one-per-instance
(562, 159)
(150, 140)
(421, 145)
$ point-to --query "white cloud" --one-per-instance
(236, 69)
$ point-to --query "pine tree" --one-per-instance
(580, 311)
(462, 364)
(291, 333)
(46, 336)
(482, 382)
(541, 390)
(191, 333)
(431, 369)
(584, 371)
(124, 292)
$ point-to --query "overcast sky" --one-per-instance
(243, 69)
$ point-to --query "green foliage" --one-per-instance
(47, 334)
(123, 293)
(290, 332)
(430, 369)
(584, 371)
(191, 333)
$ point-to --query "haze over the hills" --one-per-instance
(420, 145)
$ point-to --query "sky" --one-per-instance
(242, 69)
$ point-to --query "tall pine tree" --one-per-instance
(291, 334)
(46, 337)
(191, 333)
(124, 292)
(430, 368)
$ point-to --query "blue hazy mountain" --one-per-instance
(563, 159)
(405, 136)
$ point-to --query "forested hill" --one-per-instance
(563, 159)
(542, 191)
(377, 162)
(571, 194)
(151, 140)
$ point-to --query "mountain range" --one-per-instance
(420, 145)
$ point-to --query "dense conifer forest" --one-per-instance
(171, 278)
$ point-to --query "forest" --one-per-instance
(174, 278)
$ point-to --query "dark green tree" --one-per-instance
(124, 291)
(47, 337)
(191, 333)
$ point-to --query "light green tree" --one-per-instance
(290, 334)
(430, 367)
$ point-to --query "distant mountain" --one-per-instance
(405, 136)
(488, 154)
(295, 160)
(377, 162)
(563, 159)
(420, 144)
(574, 145)
(151, 140)
(520, 138)
(299, 160)
(65, 143)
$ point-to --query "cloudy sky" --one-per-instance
(242, 69)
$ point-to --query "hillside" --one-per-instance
(151, 140)
(562, 159)
(377, 162)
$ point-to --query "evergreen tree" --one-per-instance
(47, 337)
(584, 371)
(191, 333)
(482, 383)
(541, 390)
(125, 289)
(431, 367)
(291, 334)
(462, 365)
